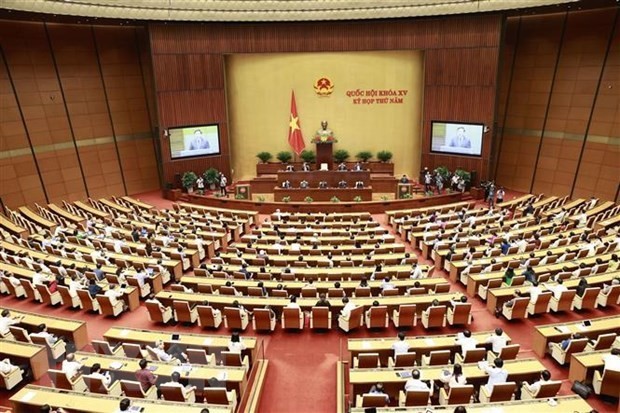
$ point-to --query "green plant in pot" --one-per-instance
(211, 177)
(364, 156)
(335, 199)
(444, 172)
(264, 156)
(308, 199)
(189, 180)
(307, 156)
(341, 155)
(464, 175)
(284, 156)
(384, 156)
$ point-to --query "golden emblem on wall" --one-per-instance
(323, 86)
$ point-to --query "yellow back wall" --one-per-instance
(259, 98)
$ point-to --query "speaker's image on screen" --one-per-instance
(193, 141)
(457, 138)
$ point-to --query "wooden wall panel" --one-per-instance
(460, 71)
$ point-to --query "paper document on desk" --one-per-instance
(366, 344)
(222, 376)
(429, 341)
(207, 341)
(563, 329)
(123, 333)
(115, 365)
(28, 396)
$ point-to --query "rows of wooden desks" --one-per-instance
(31, 398)
(74, 330)
(250, 216)
(212, 344)
(363, 379)
(583, 365)
(295, 287)
(496, 297)
(544, 334)
(564, 404)
(12, 228)
(395, 214)
(421, 345)
(32, 355)
(235, 378)
(277, 303)
(131, 295)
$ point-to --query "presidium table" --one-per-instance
(332, 178)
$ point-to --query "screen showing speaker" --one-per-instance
(192, 141)
(457, 138)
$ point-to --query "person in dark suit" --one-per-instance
(323, 301)
(582, 286)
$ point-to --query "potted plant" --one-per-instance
(189, 180)
(308, 199)
(211, 177)
(465, 176)
(384, 156)
(364, 156)
(335, 199)
(307, 156)
(284, 156)
(286, 199)
(264, 156)
(444, 172)
(260, 198)
(341, 155)
(357, 199)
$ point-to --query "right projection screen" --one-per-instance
(457, 138)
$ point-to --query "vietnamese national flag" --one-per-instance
(295, 139)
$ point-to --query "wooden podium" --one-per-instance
(324, 154)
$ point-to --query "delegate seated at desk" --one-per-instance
(305, 167)
(342, 167)
(303, 184)
(359, 184)
(286, 184)
(290, 168)
(323, 185)
(342, 184)
(357, 167)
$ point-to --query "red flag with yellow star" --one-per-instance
(295, 139)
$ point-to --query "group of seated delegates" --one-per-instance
(124, 405)
(286, 184)
(305, 167)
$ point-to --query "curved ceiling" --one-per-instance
(266, 10)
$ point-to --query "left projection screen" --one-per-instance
(193, 141)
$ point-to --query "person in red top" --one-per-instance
(145, 376)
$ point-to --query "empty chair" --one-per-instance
(279, 293)
(502, 392)
(157, 312)
(471, 356)
(199, 356)
(55, 350)
(377, 317)
(264, 320)
(564, 303)
(145, 288)
(11, 378)
(61, 381)
(602, 342)
(483, 290)
(133, 351)
(309, 292)
(353, 321)
(321, 318)
(235, 359)
(31, 292)
(508, 352)
(108, 308)
(335, 293)
(220, 396)
(366, 361)
(459, 314)
(588, 300)
(434, 316)
(371, 400)
(362, 292)
(67, 298)
(608, 298)
(96, 385)
(545, 391)
(436, 358)
(20, 334)
(607, 383)
(563, 355)
(292, 318)
(177, 394)
(456, 395)
(235, 318)
(442, 288)
(208, 317)
(103, 347)
(518, 310)
(88, 303)
(405, 316)
(414, 398)
(402, 360)
(541, 305)
(183, 313)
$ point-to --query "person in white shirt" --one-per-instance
(38, 279)
(414, 383)
(466, 341)
(498, 341)
(174, 381)
(534, 291)
(6, 321)
(6, 367)
(557, 289)
(454, 378)
(387, 284)
(113, 293)
(293, 302)
(546, 258)
(497, 374)
(95, 371)
(345, 313)
(42, 332)
(612, 360)
(400, 346)
(174, 353)
(235, 345)
(582, 220)
(416, 272)
(71, 367)
(534, 388)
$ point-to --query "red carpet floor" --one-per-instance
(301, 376)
